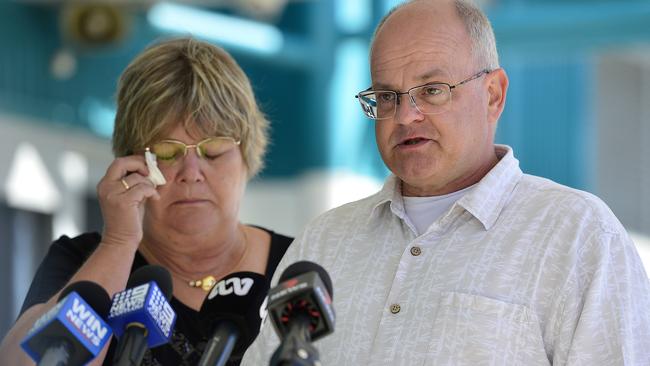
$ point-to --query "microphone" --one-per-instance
(301, 311)
(233, 310)
(72, 332)
(141, 316)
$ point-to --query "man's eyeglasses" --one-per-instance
(432, 98)
(169, 151)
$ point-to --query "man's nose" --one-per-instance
(406, 110)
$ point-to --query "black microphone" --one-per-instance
(233, 311)
(141, 316)
(301, 311)
(73, 332)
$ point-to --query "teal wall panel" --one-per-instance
(547, 118)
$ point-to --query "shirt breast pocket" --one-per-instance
(477, 330)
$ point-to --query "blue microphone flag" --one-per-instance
(73, 319)
(145, 304)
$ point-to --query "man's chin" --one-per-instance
(421, 183)
(421, 172)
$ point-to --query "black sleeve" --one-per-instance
(62, 261)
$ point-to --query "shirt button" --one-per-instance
(415, 251)
(395, 308)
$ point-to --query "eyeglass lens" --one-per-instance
(429, 99)
(169, 151)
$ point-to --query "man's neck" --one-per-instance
(429, 190)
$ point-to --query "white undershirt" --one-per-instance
(423, 211)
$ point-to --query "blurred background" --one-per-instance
(578, 108)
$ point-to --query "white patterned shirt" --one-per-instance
(519, 271)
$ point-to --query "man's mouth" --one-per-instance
(413, 141)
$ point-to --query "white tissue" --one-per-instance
(155, 175)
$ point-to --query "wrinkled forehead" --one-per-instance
(406, 75)
(439, 62)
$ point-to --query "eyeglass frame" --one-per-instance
(186, 147)
(398, 94)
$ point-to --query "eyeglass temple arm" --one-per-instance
(483, 72)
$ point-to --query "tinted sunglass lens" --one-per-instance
(216, 146)
(167, 152)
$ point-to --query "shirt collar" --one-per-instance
(485, 202)
(391, 193)
(488, 198)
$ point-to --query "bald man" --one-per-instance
(462, 259)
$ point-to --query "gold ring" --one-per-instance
(125, 184)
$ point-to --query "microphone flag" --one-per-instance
(70, 320)
(147, 305)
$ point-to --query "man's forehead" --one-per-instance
(433, 65)
(420, 60)
(426, 72)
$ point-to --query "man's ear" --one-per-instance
(497, 90)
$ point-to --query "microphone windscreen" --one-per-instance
(152, 272)
(94, 295)
(302, 267)
(239, 298)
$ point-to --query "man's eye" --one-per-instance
(386, 97)
(431, 90)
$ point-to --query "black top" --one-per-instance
(65, 257)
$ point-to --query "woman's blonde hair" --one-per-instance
(190, 82)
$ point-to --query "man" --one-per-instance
(461, 259)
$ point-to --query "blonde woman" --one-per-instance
(188, 102)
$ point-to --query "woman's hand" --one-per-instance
(122, 194)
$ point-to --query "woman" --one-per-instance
(189, 103)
